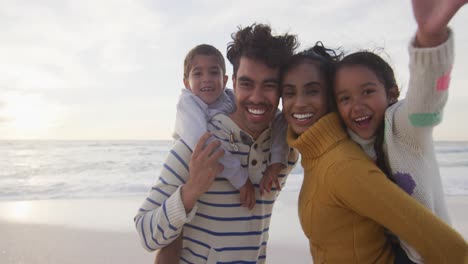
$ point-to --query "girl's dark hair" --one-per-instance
(386, 76)
(324, 58)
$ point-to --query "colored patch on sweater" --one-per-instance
(425, 119)
(443, 82)
(405, 181)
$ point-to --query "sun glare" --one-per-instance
(18, 211)
(28, 116)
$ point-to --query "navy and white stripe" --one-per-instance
(218, 229)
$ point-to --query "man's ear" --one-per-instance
(234, 83)
(187, 84)
(393, 94)
(225, 79)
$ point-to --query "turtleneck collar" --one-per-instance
(318, 138)
(366, 144)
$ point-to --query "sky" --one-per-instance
(112, 69)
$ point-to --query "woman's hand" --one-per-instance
(432, 17)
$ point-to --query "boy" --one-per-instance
(205, 79)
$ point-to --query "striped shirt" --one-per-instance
(218, 229)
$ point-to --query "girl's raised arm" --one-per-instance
(432, 17)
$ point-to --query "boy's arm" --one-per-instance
(191, 124)
(221, 127)
(279, 154)
(233, 170)
(191, 118)
(293, 158)
(279, 146)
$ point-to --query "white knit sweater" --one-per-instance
(408, 141)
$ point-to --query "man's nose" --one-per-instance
(257, 95)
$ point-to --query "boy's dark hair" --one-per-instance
(256, 42)
(386, 76)
(325, 59)
(203, 49)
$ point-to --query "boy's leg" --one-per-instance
(169, 254)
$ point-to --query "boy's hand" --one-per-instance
(270, 177)
(247, 195)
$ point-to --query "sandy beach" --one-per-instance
(101, 231)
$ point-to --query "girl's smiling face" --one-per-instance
(361, 99)
(305, 96)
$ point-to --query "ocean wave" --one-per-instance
(93, 169)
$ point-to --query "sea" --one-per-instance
(51, 169)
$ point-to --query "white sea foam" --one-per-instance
(91, 169)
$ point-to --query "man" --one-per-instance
(189, 197)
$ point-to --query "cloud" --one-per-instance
(108, 62)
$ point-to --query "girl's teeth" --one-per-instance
(361, 119)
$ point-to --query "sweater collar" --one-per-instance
(318, 138)
(366, 144)
(356, 138)
(236, 134)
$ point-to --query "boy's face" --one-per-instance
(206, 79)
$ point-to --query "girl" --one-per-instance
(398, 135)
(346, 202)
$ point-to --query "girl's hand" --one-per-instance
(432, 17)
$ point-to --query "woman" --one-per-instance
(346, 202)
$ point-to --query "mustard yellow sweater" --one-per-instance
(346, 202)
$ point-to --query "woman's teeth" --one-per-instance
(303, 116)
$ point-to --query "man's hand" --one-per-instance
(432, 17)
(247, 195)
(203, 169)
(270, 177)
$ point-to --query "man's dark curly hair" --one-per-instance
(256, 42)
